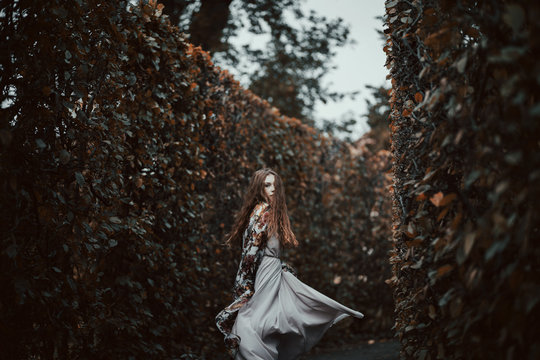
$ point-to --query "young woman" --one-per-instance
(273, 315)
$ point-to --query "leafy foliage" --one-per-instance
(378, 118)
(464, 138)
(122, 151)
(287, 61)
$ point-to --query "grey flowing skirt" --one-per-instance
(285, 317)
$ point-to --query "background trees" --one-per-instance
(287, 68)
(378, 119)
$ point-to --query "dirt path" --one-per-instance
(388, 350)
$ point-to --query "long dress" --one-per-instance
(285, 317)
(276, 316)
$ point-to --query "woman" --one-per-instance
(274, 315)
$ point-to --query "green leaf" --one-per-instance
(11, 251)
(64, 157)
(496, 247)
(468, 243)
(461, 63)
(513, 158)
(115, 220)
(446, 297)
(409, 328)
(514, 17)
(80, 179)
(472, 177)
(418, 264)
(67, 104)
(535, 110)
(531, 302)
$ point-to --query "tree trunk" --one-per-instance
(208, 23)
(174, 8)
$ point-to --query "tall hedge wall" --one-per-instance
(124, 153)
(465, 145)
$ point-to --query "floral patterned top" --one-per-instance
(253, 243)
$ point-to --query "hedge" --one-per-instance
(465, 139)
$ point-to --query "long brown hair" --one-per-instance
(279, 217)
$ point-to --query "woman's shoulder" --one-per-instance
(259, 207)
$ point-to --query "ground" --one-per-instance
(380, 350)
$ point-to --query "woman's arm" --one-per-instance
(244, 285)
(253, 239)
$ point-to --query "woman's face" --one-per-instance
(269, 185)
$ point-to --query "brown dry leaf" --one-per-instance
(447, 199)
(441, 200)
(410, 235)
(442, 213)
(432, 313)
(418, 97)
(443, 270)
(456, 220)
(417, 241)
(437, 198)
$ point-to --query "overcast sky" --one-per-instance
(357, 65)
